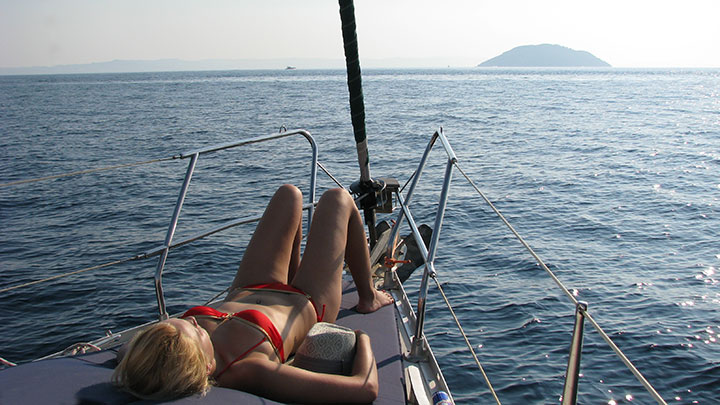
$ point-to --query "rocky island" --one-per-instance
(545, 55)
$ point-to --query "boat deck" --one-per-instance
(85, 379)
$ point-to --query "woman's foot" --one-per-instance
(380, 299)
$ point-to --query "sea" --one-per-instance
(611, 175)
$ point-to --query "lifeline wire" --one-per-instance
(330, 175)
(217, 296)
(99, 169)
(4, 290)
(597, 326)
(467, 342)
(100, 266)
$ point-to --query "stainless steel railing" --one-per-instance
(418, 351)
(164, 250)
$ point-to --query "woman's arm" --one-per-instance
(364, 363)
(285, 383)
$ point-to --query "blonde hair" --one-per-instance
(161, 363)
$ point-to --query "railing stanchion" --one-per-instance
(572, 375)
(417, 345)
(169, 236)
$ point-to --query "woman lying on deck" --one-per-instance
(275, 298)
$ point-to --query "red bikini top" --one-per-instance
(252, 317)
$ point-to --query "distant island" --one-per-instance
(544, 55)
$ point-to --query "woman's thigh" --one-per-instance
(269, 252)
(320, 272)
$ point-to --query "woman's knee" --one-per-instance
(338, 196)
(289, 193)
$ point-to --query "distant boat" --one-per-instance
(290, 68)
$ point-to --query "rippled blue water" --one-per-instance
(613, 176)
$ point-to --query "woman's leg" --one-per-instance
(337, 235)
(274, 249)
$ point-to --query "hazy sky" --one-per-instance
(624, 33)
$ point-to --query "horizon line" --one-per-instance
(216, 64)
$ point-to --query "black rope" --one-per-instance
(357, 111)
(354, 75)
